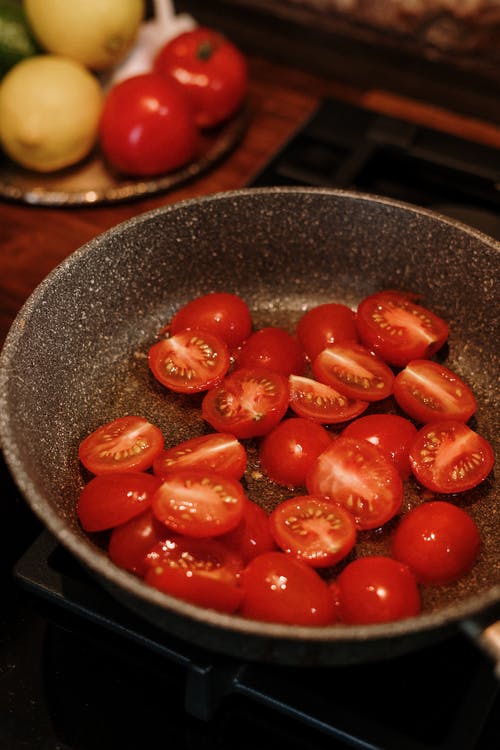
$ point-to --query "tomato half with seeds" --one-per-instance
(248, 403)
(109, 500)
(288, 451)
(321, 403)
(392, 434)
(224, 314)
(429, 391)
(189, 361)
(199, 503)
(353, 370)
(317, 531)
(324, 325)
(274, 349)
(448, 457)
(200, 571)
(217, 451)
(130, 542)
(127, 443)
(358, 476)
(398, 329)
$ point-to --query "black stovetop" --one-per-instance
(79, 672)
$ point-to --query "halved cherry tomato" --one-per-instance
(125, 444)
(449, 457)
(248, 403)
(397, 329)
(317, 531)
(199, 503)
(111, 499)
(274, 349)
(439, 541)
(252, 536)
(217, 451)
(225, 315)
(320, 402)
(189, 361)
(130, 542)
(279, 588)
(389, 432)
(358, 476)
(200, 571)
(288, 451)
(353, 370)
(324, 325)
(428, 392)
(377, 589)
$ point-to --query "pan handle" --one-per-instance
(487, 638)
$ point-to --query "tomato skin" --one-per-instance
(392, 434)
(377, 589)
(199, 503)
(316, 531)
(221, 313)
(217, 451)
(279, 588)
(127, 443)
(398, 329)
(429, 391)
(189, 361)
(324, 325)
(353, 370)
(439, 541)
(358, 476)
(288, 451)
(274, 349)
(248, 403)
(147, 126)
(200, 571)
(321, 403)
(109, 500)
(252, 536)
(212, 71)
(449, 457)
(130, 542)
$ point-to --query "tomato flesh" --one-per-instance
(128, 443)
(219, 452)
(392, 434)
(288, 451)
(225, 315)
(109, 500)
(321, 403)
(354, 371)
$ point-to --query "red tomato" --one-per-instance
(199, 503)
(217, 451)
(190, 361)
(438, 541)
(377, 589)
(449, 457)
(320, 402)
(225, 315)
(392, 434)
(248, 403)
(317, 531)
(324, 325)
(357, 475)
(428, 392)
(274, 349)
(130, 542)
(111, 499)
(211, 70)
(125, 444)
(147, 126)
(200, 571)
(288, 451)
(252, 536)
(354, 371)
(397, 329)
(279, 588)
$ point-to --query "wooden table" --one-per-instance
(34, 239)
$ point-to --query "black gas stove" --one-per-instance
(80, 672)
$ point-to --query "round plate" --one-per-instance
(93, 182)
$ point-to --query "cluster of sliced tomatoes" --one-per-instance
(180, 516)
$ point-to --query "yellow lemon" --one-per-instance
(97, 33)
(49, 112)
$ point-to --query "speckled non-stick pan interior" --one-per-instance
(76, 357)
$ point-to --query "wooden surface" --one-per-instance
(33, 240)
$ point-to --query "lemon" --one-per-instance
(16, 39)
(97, 33)
(49, 112)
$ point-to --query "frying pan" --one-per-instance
(75, 358)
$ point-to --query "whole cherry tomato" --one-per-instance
(212, 71)
(147, 126)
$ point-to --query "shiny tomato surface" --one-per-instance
(217, 451)
(289, 450)
(129, 443)
(392, 434)
(130, 542)
(112, 499)
(224, 314)
(274, 349)
(252, 536)
(324, 325)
